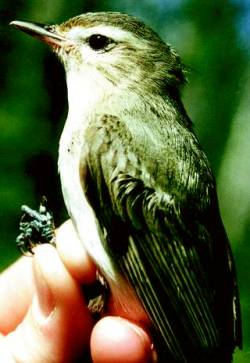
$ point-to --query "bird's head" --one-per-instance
(114, 48)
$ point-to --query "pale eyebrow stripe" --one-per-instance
(109, 31)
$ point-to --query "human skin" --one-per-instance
(44, 316)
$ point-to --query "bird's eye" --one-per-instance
(98, 41)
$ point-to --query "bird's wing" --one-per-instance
(179, 263)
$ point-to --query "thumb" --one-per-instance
(57, 326)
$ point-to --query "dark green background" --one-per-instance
(213, 39)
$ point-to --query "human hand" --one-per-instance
(44, 317)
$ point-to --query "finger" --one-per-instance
(116, 340)
(16, 290)
(16, 284)
(74, 255)
(57, 327)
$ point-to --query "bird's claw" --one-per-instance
(36, 227)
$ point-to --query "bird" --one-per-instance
(139, 188)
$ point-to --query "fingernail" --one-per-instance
(154, 355)
(146, 341)
(45, 297)
(139, 332)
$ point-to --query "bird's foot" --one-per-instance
(97, 295)
(36, 227)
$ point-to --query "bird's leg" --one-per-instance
(36, 227)
(97, 295)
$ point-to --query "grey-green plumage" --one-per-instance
(138, 187)
(167, 235)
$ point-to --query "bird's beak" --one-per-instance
(45, 33)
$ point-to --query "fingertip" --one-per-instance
(58, 325)
(51, 274)
(74, 255)
(116, 340)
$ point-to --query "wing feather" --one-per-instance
(177, 259)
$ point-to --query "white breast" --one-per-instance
(82, 102)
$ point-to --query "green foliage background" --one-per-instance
(213, 39)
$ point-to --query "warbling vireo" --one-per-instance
(139, 188)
